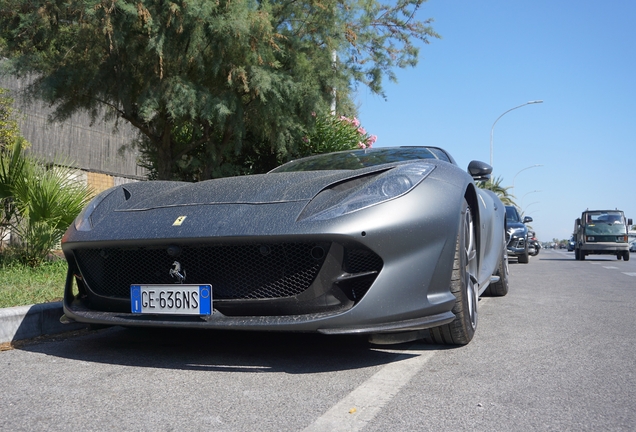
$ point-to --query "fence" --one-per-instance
(99, 149)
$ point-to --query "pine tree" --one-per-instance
(200, 79)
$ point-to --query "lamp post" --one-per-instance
(524, 210)
(526, 168)
(492, 130)
(527, 194)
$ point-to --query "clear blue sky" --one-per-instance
(579, 57)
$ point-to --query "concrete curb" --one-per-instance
(26, 322)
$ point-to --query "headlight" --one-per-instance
(383, 187)
(83, 220)
(516, 232)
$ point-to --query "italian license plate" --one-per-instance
(171, 299)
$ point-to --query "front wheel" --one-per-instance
(626, 256)
(524, 258)
(464, 277)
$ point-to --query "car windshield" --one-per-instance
(512, 215)
(357, 159)
(604, 222)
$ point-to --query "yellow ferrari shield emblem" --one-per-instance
(179, 221)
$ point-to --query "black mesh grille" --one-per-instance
(361, 260)
(252, 271)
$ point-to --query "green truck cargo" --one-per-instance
(602, 232)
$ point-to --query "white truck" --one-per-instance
(602, 232)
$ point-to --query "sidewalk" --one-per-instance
(26, 322)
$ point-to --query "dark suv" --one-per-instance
(517, 234)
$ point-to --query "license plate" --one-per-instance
(171, 299)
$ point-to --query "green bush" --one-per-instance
(37, 202)
(45, 202)
(335, 133)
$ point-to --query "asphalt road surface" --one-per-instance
(556, 354)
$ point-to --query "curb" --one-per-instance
(26, 322)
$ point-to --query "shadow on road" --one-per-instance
(594, 259)
(188, 349)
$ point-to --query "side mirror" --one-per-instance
(630, 222)
(527, 219)
(479, 171)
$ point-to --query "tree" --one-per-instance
(329, 133)
(502, 192)
(202, 79)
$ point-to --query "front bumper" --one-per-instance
(604, 248)
(516, 246)
(358, 295)
(411, 290)
(321, 323)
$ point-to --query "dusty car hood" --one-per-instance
(254, 189)
(516, 225)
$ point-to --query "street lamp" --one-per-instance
(492, 130)
(527, 194)
(526, 168)
(524, 210)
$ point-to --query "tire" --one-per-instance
(619, 256)
(524, 258)
(462, 329)
(577, 254)
(500, 288)
(581, 255)
(626, 256)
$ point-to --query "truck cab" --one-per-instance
(601, 232)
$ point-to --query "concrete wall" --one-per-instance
(99, 149)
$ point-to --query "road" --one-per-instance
(556, 354)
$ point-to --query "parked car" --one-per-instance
(571, 244)
(517, 234)
(632, 246)
(380, 241)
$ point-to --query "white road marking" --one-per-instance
(361, 405)
(629, 273)
(610, 267)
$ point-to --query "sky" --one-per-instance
(574, 151)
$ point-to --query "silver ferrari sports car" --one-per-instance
(395, 243)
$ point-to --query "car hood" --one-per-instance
(516, 225)
(267, 204)
(254, 189)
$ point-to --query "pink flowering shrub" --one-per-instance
(335, 133)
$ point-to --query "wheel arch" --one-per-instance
(470, 195)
